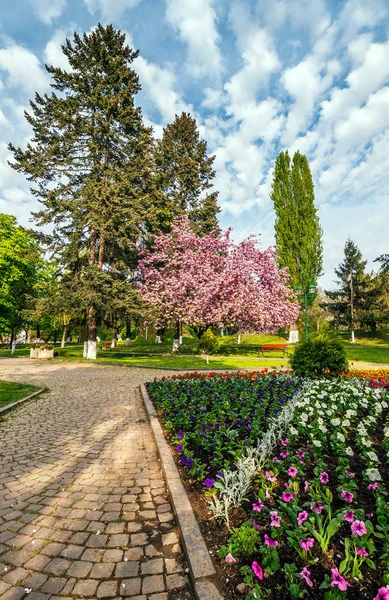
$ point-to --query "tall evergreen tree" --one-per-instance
(91, 158)
(185, 174)
(297, 228)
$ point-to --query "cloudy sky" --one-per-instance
(260, 76)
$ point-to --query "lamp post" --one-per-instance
(308, 294)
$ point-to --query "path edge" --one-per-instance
(10, 406)
(200, 564)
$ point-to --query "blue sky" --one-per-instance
(259, 76)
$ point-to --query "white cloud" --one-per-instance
(48, 10)
(23, 68)
(53, 54)
(195, 23)
(111, 10)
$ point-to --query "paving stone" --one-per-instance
(107, 589)
(14, 593)
(130, 587)
(94, 554)
(86, 588)
(176, 581)
(38, 596)
(37, 563)
(72, 551)
(4, 587)
(102, 570)
(133, 553)
(53, 549)
(79, 569)
(139, 539)
(162, 596)
(127, 569)
(15, 575)
(152, 567)
(54, 585)
(58, 566)
(151, 584)
(35, 581)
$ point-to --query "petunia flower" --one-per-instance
(270, 477)
(306, 485)
(306, 575)
(349, 516)
(358, 528)
(258, 506)
(361, 551)
(270, 542)
(292, 472)
(180, 435)
(318, 508)
(258, 571)
(287, 496)
(179, 448)
(284, 454)
(229, 558)
(348, 496)
(372, 486)
(307, 544)
(302, 516)
(324, 477)
(275, 519)
(383, 594)
(256, 525)
(209, 483)
(300, 453)
(276, 460)
(285, 442)
(338, 580)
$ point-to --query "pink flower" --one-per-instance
(306, 575)
(285, 442)
(275, 519)
(383, 594)
(258, 506)
(229, 558)
(287, 496)
(350, 473)
(256, 525)
(338, 580)
(307, 544)
(324, 477)
(348, 496)
(302, 516)
(306, 485)
(349, 516)
(276, 460)
(270, 542)
(300, 453)
(284, 454)
(270, 477)
(361, 551)
(258, 571)
(372, 486)
(292, 471)
(309, 448)
(267, 494)
(358, 528)
(318, 508)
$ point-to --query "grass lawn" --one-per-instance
(12, 392)
(191, 362)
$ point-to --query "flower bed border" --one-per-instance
(10, 406)
(200, 564)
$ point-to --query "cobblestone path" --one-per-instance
(84, 511)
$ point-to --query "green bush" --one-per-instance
(319, 357)
(209, 344)
(60, 352)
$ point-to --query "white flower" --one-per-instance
(386, 431)
(346, 423)
(373, 474)
(316, 443)
(323, 428)
(384, 404)
(335, 422)
(366, 442)
(341, 437)
(293, 431)
(349, 451)
(304, 417)
(373, 456)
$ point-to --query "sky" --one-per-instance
(259, 76)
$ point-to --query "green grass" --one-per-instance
(12, 392)
(192, 362)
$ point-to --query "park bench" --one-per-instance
(274, 348)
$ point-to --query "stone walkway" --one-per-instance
(83, 504)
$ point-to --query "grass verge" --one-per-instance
(12, 392)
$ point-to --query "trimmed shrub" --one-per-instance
(319, 357)
(209, 344)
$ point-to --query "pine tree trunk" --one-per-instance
(63, 336)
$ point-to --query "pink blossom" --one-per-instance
(270, 477)
(302, 516)
(267, 494)
(285, 442)
(348, 496)
(229, 558)
(258, 571)
(258, 506)
(275, 519)
(361, 551)
(300, 453)
(324, 477)
(287, 496)
(338, 580)
(276, 460)
(306, 575)
(307, 544)
(349, 516)
(309, 448)
(316, 508)
(358, 528)
(372, 486)
(292, 472)
(256, 525)
(306, 485)
(350, 473)
(270, 542)
(284, 454)
(383, 594)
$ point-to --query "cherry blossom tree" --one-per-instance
(211, 280)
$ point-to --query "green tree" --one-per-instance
(185, 174)
(297, 229)
(19, 263)
(91, 160)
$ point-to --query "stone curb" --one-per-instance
(200, 564)
(9, 406)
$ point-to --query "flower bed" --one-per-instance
(315, 521)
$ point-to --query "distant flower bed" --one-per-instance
(381, 375)
(216, 417)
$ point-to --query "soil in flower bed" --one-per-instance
(334, 463)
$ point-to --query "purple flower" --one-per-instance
(300, 453)
(270, 542)
(287, 496)
(275, 519)
(361, 551)
(383, 594)
(307, 544)
(309, 448)
(258, 571)
(209, 483)
(189, 463)
(324, 477)
(180, 435)
(292, 472)
(348, 496)
(229, 558)
(179, 448)
(285, 442)
(258, 506)
(358, 528)
(302, 516)
(284, 454)
(256, 525)
(306, 575)
(349, 516)
(219, 474)
(338, 580)
(350, 473)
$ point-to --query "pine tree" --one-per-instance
(297, 228)
(91, 160)
(185, 175)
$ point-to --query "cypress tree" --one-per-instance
(91, 160)
(297, 228)
(185, 173)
